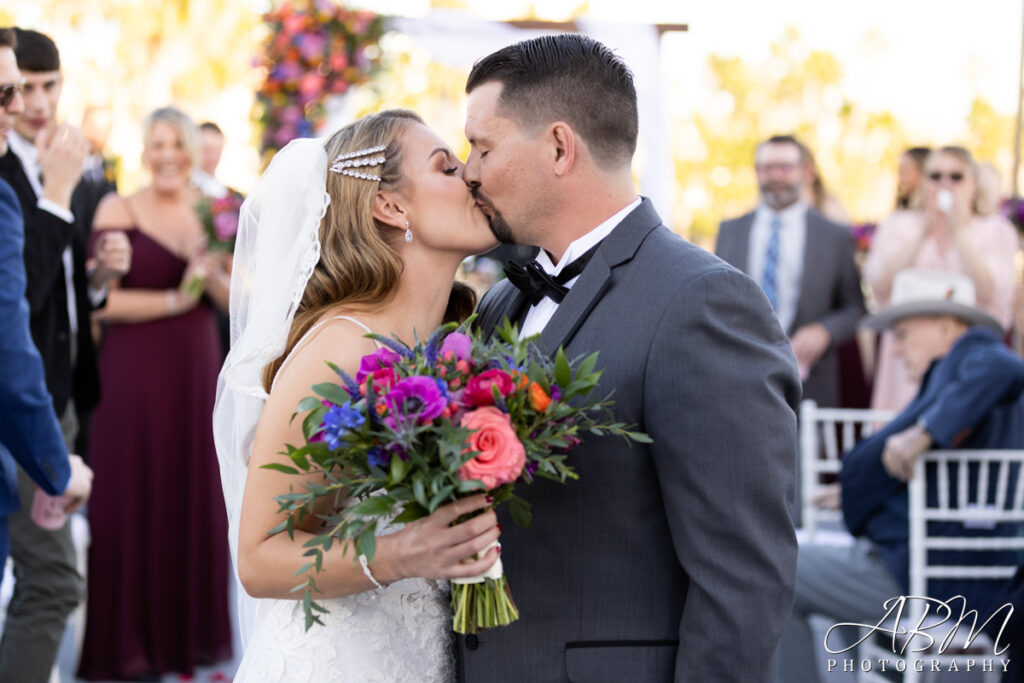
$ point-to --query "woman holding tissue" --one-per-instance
(948, 233)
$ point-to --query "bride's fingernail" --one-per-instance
(498, 550)
(489, 498)
(499, 527)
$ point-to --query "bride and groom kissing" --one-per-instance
(666, 561)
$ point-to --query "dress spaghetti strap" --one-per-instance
(309, 334)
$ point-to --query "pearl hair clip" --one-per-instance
(344, 163)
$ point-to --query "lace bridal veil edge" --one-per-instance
(276, 250)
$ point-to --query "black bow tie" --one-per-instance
(535, 283)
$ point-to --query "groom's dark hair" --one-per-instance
(571, 78)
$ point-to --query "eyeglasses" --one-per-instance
(8, 91)
(785, 167)
(955, 176)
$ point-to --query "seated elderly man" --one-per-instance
(971, 396)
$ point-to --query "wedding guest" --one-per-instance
(98, 178)
(814, 193)
(211, 146)
(43, 164)
(158, 564)
(961, 239)
(909, 185)
(29, 432)
(804, 263)
(971, 397)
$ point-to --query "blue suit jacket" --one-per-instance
(972, 398)
(29, 430)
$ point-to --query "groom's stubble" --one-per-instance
(499, 226)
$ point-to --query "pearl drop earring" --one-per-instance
(408, 232)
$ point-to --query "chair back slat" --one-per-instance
(1002, 486)
(825, 434)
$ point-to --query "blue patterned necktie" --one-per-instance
(770, 275)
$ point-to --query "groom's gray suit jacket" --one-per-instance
(673, 561)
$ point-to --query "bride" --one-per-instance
(361, 233)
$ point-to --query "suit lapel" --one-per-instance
(744, 225)
(617, 248)
(14, 173)
(813, 249)
(508, 302)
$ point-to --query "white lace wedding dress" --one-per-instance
(398, 635)
(401, 634)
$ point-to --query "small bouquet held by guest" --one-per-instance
(219, 217)
(418, 428)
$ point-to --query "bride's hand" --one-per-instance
(432, 548)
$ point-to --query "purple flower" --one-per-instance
(458, 345)
(556, 393)
(225, 225)
(381, 358)
(338, 421)
(415, 398)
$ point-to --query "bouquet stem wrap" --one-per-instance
(483, 601)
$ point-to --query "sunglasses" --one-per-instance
(955, 176)
(8, 91)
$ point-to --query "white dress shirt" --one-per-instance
(540, 314)
(790, 270)
(28, 155)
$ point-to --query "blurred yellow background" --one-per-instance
(857, 83)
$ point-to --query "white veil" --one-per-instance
(276, 250)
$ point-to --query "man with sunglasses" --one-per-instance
(43, 164)
(30, 436)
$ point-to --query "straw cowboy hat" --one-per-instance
(931, 292)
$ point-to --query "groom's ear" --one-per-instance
(563, 146)
(387, 211)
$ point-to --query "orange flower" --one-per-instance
(520, 379)
(539, 398)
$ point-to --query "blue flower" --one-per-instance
(378, 457)
(339, 420)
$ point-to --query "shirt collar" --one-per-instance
(581, 245)
(23, 149)
(787, 215)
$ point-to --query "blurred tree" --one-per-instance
(136, 56)
(795, 91)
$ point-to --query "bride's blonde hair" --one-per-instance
(358, 262)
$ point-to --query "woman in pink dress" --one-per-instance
(949, 233)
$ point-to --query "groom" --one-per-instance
(668, 562)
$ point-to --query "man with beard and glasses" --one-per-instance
(803, 262)
(669, 561)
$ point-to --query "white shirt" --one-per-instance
(540, 314)
(28, 155)
(790, 270)
(208, 184)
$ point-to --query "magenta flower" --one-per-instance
(371, 362)
(225, 225)
(417, 398)
(458, 345)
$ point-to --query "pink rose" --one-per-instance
(478, 389)
(502, 455)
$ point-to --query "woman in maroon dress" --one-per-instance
(158, 565)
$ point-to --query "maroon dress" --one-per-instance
(158, 565)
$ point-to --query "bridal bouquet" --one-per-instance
(420, 427)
